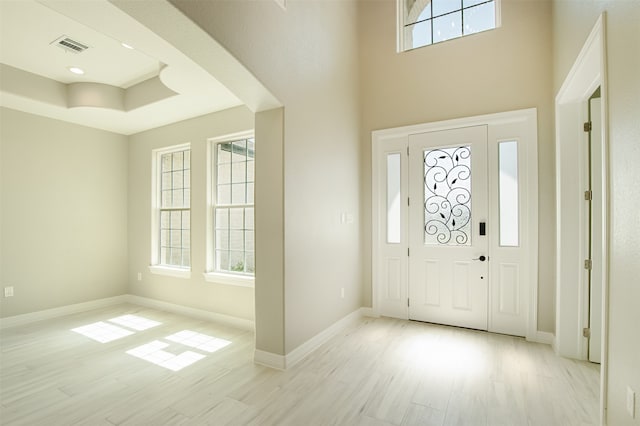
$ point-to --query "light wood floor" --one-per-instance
(379, 372)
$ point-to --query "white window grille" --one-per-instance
(426, 22)
(232, 170)
(171, 221)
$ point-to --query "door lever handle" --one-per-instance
(481, 258)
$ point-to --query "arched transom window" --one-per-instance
(425, 22)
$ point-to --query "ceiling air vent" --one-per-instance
(70, 45)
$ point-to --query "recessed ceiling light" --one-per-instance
(128, 46)
(76, 70)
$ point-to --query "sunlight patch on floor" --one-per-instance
(154, 353)
(102, 332)
(135, 322)
(452, 354)
(198, 341)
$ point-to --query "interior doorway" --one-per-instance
(576, 309)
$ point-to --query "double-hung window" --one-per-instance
(171, 220)
(231, 248)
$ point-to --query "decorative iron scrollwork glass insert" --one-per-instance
(447, 196)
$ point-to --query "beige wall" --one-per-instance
(270, 231)
(500, 70)
(194, 292)
(64, 213)
(306, 56)
(68, 195)
(572, 23)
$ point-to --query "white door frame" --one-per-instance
(586, 75)
(527, 116)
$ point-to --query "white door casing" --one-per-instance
(511, 278)
(588, 72)
(596, 240)
(448, 187)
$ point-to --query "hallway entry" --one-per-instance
(455, 222)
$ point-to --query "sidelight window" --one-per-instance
(508, 194)
(393, 198)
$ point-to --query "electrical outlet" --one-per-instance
(342, 293)
(631, 402)
(8, 291)
(139, 276)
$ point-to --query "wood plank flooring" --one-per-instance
(378, 372)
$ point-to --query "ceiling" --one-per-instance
(124, 90)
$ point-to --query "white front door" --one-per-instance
(448, 261)
(455, 222)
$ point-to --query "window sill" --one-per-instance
(229, 279)
(170, 272)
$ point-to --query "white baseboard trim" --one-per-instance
(281, 362)
(554, 346)
(296, 355)
(543, 337)
(241, 323)
(60, 312)
(369, 312)
(269, 359)
(46, 314)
